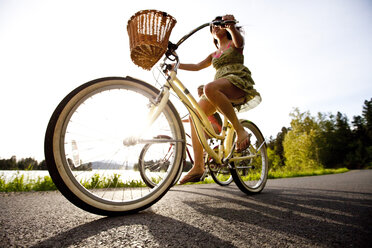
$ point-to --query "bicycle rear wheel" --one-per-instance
(90, 151)
(153, 159)
(250, 175)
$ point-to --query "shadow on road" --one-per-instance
(163, 230)
(322, 216)
(318, 217)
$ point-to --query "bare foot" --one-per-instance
(244, 141)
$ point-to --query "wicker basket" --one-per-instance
(149, 32)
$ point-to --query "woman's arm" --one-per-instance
(196, 67)
(237, 37)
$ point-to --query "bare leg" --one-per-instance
(198, 168)
(219, 93)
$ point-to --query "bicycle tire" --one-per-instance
(69, 120)
(251, 175)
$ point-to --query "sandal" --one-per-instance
(192, 179)
(244, 144)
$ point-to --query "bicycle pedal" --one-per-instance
(204, 176)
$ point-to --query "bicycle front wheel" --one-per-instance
(250, 175)
(92, 153)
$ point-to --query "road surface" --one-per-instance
(320, 211)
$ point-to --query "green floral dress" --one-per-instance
(229, 65)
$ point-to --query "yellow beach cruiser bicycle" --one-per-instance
(95, 137)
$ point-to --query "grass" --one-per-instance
(19, 184)
(284, 174)
(99, 182)
(318, 172)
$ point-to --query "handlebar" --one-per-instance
(221, 23)
(173, 47)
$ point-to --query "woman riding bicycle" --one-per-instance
(148, 151)
(232, 85)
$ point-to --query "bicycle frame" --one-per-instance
(200, 121)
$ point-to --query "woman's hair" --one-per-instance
(215, 41)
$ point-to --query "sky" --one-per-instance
(314, 55)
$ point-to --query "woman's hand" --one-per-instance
(230, 25)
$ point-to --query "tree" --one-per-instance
(275, 162)
(300, 150)
(27, 164)
(8, 164)
(42, 165)
(361, 145)
(367, 119)
(22, 164)
(275, 150)
(343, 141)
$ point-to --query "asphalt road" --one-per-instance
(321, 211)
